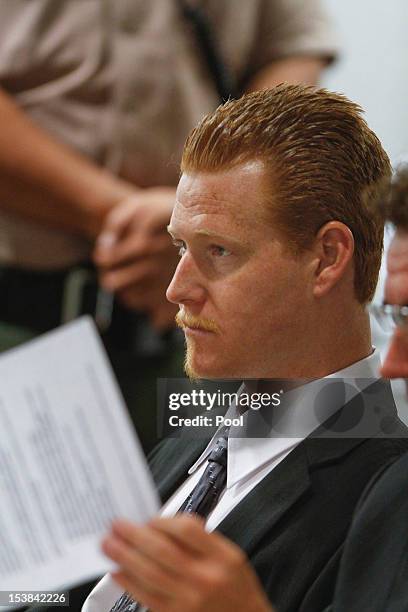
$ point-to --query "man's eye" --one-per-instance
(219, 251)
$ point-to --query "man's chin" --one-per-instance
(196, 372)
(199, 371)
(189, 369)
(196, 368)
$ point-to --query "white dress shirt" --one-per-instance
(251, 459)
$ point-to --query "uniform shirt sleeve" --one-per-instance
(290, 28)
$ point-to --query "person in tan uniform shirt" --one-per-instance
(96, 99)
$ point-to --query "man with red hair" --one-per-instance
(279, 255)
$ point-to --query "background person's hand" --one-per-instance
(135, 255)
(150, 300)
(174, 564)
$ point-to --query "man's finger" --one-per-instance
(130, 248)
(116, 224)
(148, 572)
(121, 251)
(122, 214)
(131, 274)
(189, 531)
(153, 601)
(156, 546)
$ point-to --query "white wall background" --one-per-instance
(373, 71)
(373, 67)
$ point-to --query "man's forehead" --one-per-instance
(205, 222)
(238, 193)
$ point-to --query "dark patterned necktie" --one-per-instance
(202, 500)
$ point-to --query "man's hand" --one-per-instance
(135, 256)
(173, 564)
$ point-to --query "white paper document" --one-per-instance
(69, 461)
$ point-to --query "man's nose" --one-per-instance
(396, 360)
(186, 286)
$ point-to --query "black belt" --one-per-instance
(43, 300)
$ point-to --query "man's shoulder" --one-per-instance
(389, 486)
(373, 572)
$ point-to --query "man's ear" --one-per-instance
(334, 248)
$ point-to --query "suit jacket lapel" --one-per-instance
(176, 458)
(268, 502)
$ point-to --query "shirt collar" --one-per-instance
(247, 454)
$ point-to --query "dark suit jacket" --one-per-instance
(373, 574)
(293, 524)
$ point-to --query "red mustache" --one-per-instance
(185, 319)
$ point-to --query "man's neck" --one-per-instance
(349, 342)
(334, 346)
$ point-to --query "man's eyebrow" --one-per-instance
(208, 234)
